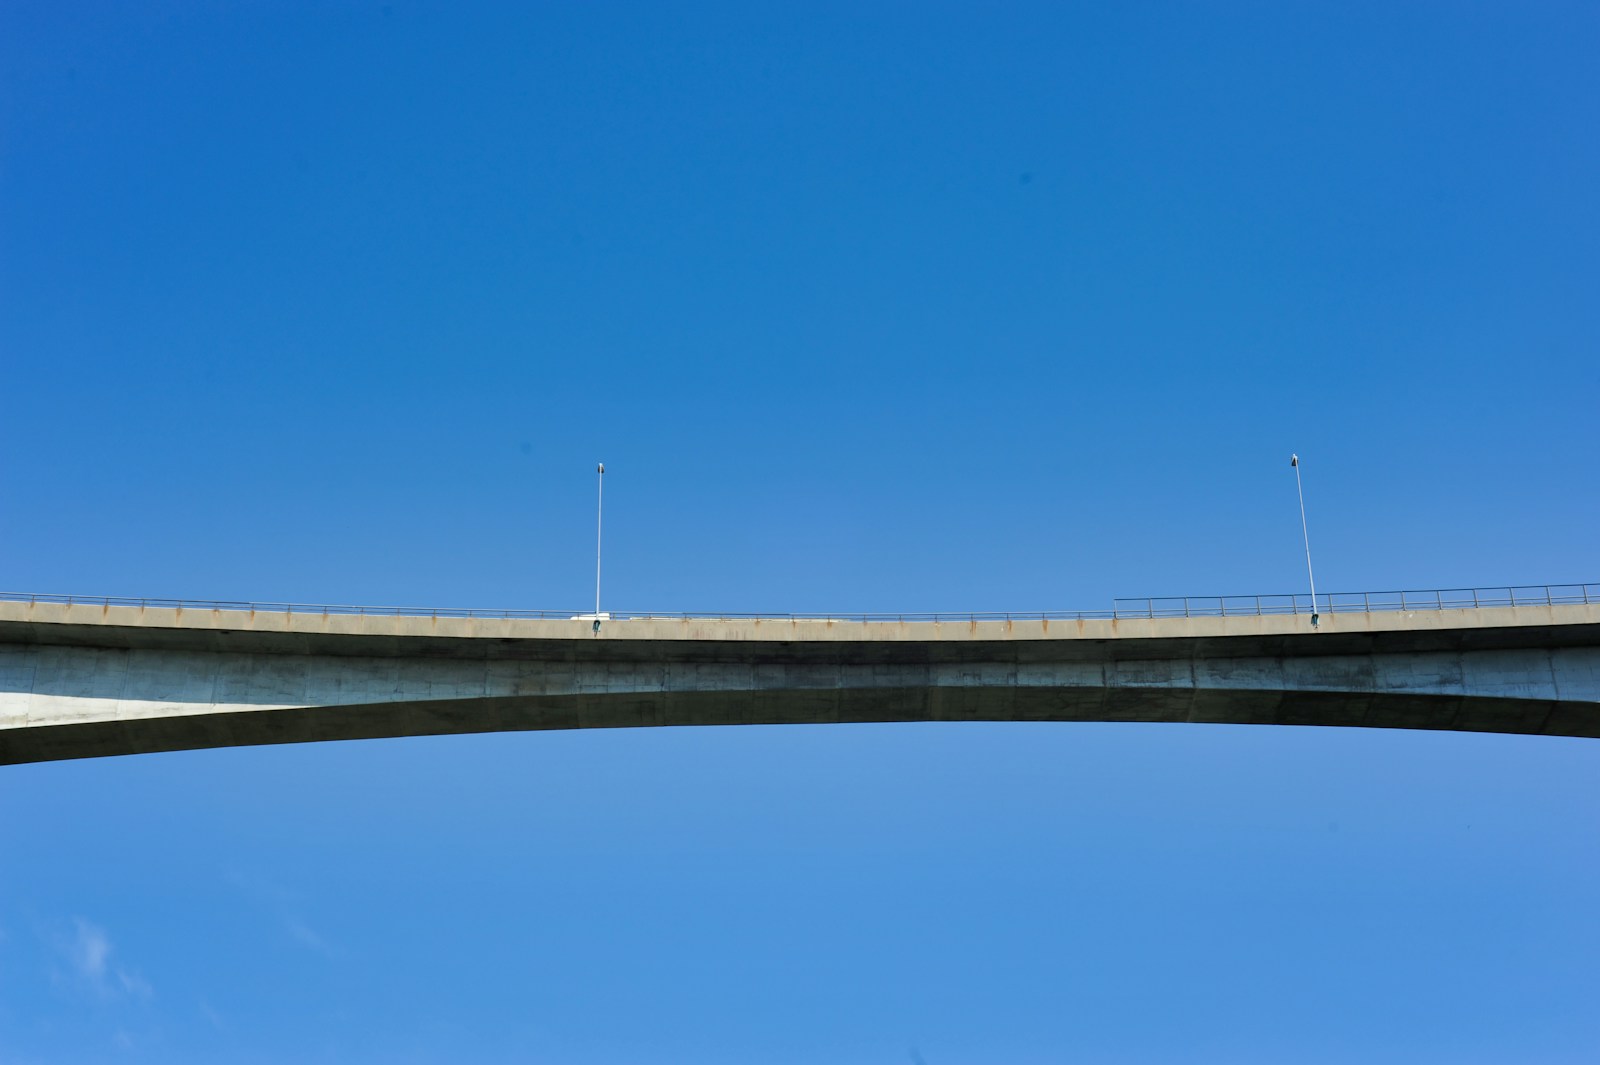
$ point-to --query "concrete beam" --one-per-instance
(84, 681)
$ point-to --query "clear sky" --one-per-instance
(866, 307)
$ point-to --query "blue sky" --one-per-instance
(903, 307)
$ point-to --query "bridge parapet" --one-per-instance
(146, 622)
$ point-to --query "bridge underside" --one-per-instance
(137, 682)
(88, 739)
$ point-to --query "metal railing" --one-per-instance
(1168, 607)
(1359, 602)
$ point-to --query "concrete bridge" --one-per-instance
(80, 680)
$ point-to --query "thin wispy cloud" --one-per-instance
(303, 934)
(90, 951)
(92, 960)
(210, 1014)
(283, 903)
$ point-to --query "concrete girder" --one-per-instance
(91, 681)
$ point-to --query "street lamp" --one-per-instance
(599, 507)
(1294, 460)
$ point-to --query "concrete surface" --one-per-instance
(88, 680)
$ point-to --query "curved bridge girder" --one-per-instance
(533, 713)
(76, 686)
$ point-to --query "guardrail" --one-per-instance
(1358, 602)
(1168, 607)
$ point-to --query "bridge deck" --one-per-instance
(82, 680)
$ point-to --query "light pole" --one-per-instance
(599, 511)
(1294, 460)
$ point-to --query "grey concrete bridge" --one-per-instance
(88, 679)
